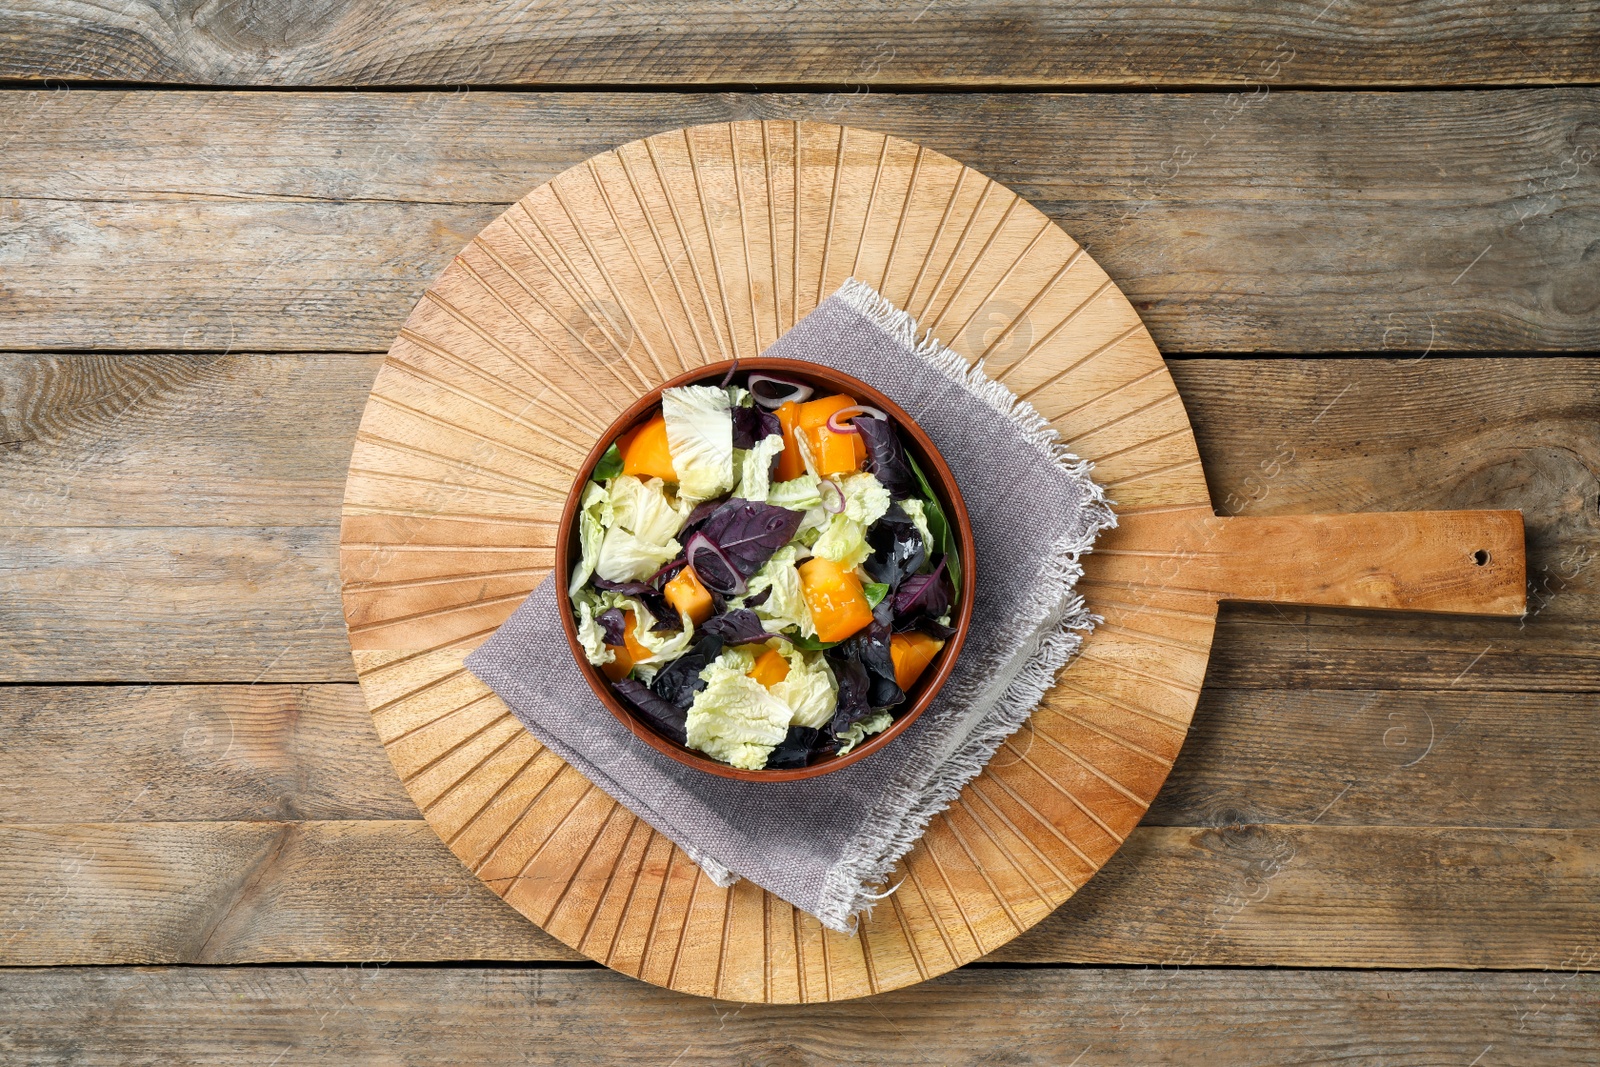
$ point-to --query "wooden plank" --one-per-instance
(178, 440)
(1355, 896)
(259, 262)
(707, 42)
(213, 892)
(271, 752)
(236, 604)
(1100, 1016)
(1453, 757)
(193, 752)
(1240, 895)
(276, 752)
(266, 438)
(1553, 651)
(1285, 222)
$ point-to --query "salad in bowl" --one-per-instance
(762, 579)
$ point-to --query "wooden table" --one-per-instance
(1366, 237)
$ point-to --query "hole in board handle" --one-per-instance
(1480, 557)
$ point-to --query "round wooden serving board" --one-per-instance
(704, 244)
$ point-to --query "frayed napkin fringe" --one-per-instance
(876, 308)
(851, 889)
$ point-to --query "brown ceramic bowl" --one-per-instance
(825, 379)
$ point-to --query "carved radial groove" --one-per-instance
(620, 272)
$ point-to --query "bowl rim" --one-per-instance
(944, 486)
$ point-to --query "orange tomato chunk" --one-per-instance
(645, 453)
(771, 668)
(688, 596)
(911, 652)
(621, 663)
(838, 605)
(833, 453)
(790, 465)
(635, 649)
(624, 655)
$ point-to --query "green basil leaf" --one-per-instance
(610, 465)
(809, 644)
(939, 529)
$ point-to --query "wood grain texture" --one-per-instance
(1405, 208)
(265, 439)
(1281, 222)
(1247, 894)
(186, 604)
(274, 752)
(1455, 757)
(254, 605)
(244, 440)
(995, 1015)
(1445, 562)
(582, 297)
(1237, 895)
(688, 248)
(1330, 649)
(220, 892)
(213, 753)
(1275, 436)
(707, 42)
(1358, 436)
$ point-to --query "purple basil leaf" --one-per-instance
(679, 681)
(886, 457)
(871, 648)
(755, 600)
(897, 548)
(668, 621)
(697, 518)
(932, 627)
(625, 588)
(749, 532)
(854, 687)
(746, 423)
(795, 748)
(613, 622)
(666, 618)
(753, 424)
(669, 721)
(923, 594)
(741, 626)
(826, 744)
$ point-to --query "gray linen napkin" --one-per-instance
(827, 844)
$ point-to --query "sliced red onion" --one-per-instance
(837, 424)
(832, 502)
(665, 574)
(779, 390)
(713, 567)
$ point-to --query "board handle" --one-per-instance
(1456, 562)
